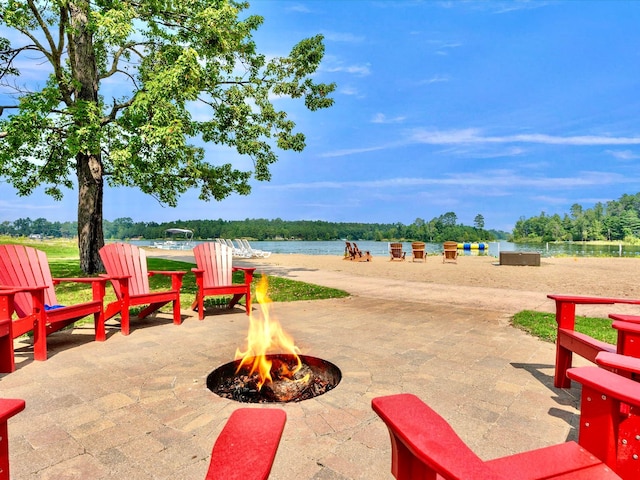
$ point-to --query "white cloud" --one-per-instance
(359, 70)
(471, 135)
(22, 206)
(435, 79)
(382, 118)
(444, 48)
(487, 179)
(342, 37)
(299, 8)
(349, 91)
(351, 151)
(623, 154)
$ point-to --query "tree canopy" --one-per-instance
(615, 220)
(118, 82)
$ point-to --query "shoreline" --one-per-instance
(595, 276)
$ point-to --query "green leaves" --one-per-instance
(179, 74)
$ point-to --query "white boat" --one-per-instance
(179, 239)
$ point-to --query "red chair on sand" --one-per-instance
(214, 276)
(424, 446)
(126, 267)
(28, 289)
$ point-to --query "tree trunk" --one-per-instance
(90, 194)
(88, 161)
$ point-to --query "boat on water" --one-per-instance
(177, 239)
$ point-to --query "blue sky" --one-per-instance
(504, 109)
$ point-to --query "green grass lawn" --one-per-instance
(544, 326)
(280, 289)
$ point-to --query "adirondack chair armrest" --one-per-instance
(18, 288)
(98, 284)
(607, 383)
(176, 277)
(10, 407)
(166, 272)
(566, 306)
(625, 318)
(423, 443)
(81, 280)
(579, 299)
(618, 362)
(248, 272)
(36, 291)
(244, 269)
(117, 278)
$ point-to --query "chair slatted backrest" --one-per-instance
(126, 259)
(216, 261)
(396, 249)
(22, 266)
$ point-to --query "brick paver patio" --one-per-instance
(137, 407)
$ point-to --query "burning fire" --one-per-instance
(266, 336)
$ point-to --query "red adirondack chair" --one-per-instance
(424, 446)
(27, 288)
(214, 276)
(126, 266)
(247, 445)
(8, 408)
(569, 341)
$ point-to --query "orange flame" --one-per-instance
(265, 336)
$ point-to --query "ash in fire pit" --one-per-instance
(315, 377)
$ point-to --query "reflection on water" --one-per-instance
(381, 249)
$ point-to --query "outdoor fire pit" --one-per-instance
(271, 368)
(314, 377)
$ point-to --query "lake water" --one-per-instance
(381, 249)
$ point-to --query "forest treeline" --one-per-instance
(614, 220)
(442, 228)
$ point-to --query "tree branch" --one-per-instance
(115, 109)
(118, 54)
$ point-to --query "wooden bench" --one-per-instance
(569, 341)
(8, 408)
(247, 445)
(424, 446)
(531, 259)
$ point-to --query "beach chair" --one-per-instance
(450, 252)
(237, 251)
(253, 251)
(247, 445)
(418, 251)
(352, 252)
(214, 276)
(395, 250)
(349, 254)
(126, 267)
(28, 290)
(424, 446)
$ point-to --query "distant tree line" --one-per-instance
(442, 228)
(615, 220)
